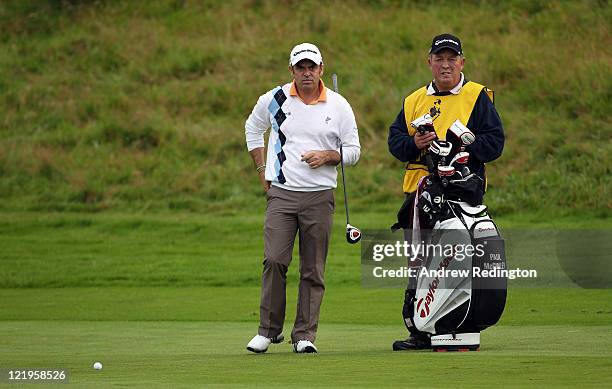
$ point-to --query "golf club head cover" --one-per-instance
(445, 171)
(460, 159)
(427, 213)
(353, 234)
(423, 124)
(459, 136)
(430, 201)
(438, 152)
(459, 162)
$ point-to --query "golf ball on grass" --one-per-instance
(97, 366)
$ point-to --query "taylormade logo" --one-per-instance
(433, 286)
(445, 40)
(303, 51)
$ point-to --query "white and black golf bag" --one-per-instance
(451, 299)
(455, 307)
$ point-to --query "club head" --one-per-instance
(441, 148)
(353, 234)
(463, 133)
(459, 136)
(446, 171)
(461, 158)
(424, 120)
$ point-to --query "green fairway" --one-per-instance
(172, 299)
(187, 336)
(212, 353)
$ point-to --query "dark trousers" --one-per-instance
(410, 292)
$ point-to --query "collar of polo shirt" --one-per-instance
(322, 92)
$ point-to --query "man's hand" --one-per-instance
(259, 162)
(316, 159)
(424, 140)
(262, 179)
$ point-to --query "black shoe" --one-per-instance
(414, 342)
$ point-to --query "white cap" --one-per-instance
(305, 51)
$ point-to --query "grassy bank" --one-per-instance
(131, 106)
(41, 250)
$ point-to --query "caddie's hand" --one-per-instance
(424, 140)
(316, 159)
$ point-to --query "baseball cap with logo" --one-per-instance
(445, 41)
(305, 51)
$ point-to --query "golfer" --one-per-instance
(450, 96)
(298, 173)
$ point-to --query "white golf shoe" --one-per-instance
(260, 344)
(304, 346)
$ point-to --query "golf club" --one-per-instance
(459, 162)
(459, 136)
(461, 158)
(445, 171)
(353, 234)
(424, 124)
(437, 154)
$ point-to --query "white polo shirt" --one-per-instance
(297, 128)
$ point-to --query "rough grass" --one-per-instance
(126, 105)
(181, 249)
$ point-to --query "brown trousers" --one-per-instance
(288, 212)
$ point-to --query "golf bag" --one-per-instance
(450, 299)
(455, 308)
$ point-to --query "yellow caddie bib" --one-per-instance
(444, 110)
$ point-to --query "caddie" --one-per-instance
(449, 97)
